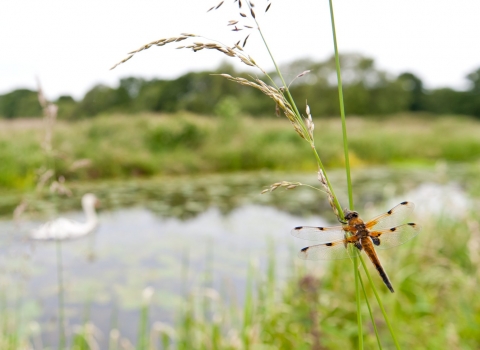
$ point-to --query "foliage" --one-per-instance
(20, 103)
(368, 90)
(434, 307)
(120, 146)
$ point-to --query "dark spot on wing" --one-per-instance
(321, 228)
(389, 212)
(376, 240)
(393, 229)
(329, 244)
(412, 224)
(404, 203)
(304, 249)
(298, 227)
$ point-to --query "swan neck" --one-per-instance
(90, 213)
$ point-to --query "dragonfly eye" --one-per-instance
(350, 214)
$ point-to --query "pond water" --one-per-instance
(179, 235)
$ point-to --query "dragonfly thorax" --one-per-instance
(354, 221)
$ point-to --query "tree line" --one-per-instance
(367, 91)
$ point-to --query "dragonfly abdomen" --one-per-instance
(370, 251)
(385, 279)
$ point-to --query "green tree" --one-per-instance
(414, 86)
(473, 99)
(67, 107)
(20, 103)
(102, 98)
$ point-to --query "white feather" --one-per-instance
(62, 228)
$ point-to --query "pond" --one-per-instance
(180, 235)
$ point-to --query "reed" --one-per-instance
(436, 278)
(185, 144)
(143, 334)
(303, 125)
(62, 340)
(295, 315)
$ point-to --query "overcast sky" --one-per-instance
(70, 45)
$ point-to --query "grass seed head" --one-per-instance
(331, 199)
(245, 41)
(285, 184)
(147, 294)
(309, 122)
(122, 61)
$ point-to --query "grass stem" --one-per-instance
(350, 192)
(342, 108)
(371, 314)
(379, 301)
(347, 169)
(357, 299)
(61, 324)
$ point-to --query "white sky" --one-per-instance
(70, 45)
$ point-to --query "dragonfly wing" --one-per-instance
(395, 236)
(328, 251)
(391, 218)
(323, 234)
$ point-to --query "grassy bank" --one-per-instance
(435, 305)
(120, 146)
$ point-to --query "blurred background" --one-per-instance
(188, 254)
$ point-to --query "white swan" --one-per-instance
(62, 228)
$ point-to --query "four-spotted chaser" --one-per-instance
(384, 231)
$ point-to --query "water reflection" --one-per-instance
(186, 197)
(135, 248)
(177, 235)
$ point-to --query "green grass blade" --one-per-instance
(371, 314)
(248, 308)
(342, 108)
(379, 301)
(61, 321)
(347, 169)
(357, 299)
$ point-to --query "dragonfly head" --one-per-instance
(349, 215)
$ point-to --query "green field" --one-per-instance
(435, 305)
(124, 146)
(436, 277)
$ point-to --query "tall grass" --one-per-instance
(301, 315)
(435, 307)
(188, 144)
(303, 125)
(61, 297)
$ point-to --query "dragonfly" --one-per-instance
(340, 242)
